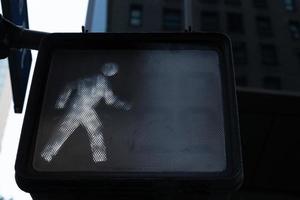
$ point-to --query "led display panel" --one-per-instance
(132, 110)
(138, 107)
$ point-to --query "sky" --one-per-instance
(48, 16)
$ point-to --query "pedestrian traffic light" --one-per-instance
(115, 112)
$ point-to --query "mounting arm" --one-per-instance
(15, 37)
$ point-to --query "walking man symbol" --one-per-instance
(87, 94)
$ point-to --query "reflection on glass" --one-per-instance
(89, 92)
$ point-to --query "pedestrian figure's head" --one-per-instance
(110, 69)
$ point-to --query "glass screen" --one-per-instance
(132, 111)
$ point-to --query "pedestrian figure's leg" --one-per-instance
(64, 131)
(94, 128)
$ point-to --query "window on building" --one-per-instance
(272, 82)
(135, 15)
(241, 81)
(269, 54)
(260, 3)
(289, 5)
(239, 53)
(235, 23)
(210, 21)
(172, 19)
(233, 2)
(209, 1)
(264, 26)
(294, 27)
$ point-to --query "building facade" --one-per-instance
(265, 36)
(144, 16)
(265, 33)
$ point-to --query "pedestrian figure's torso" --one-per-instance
(88, 93)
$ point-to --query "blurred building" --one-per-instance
(5, 96)
(145, 16)
(265, 33)
(265, 36)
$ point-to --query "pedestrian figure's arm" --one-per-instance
(64, 96)
(111, 99)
